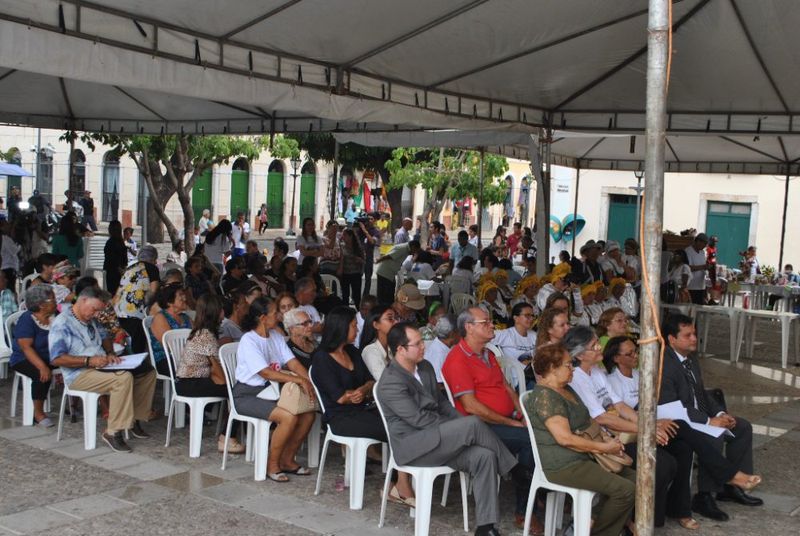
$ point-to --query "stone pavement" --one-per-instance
(47, 485)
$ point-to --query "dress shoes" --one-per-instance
(490, 530)
(735, 494)
(704, 504)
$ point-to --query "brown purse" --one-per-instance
(217, 374)
(613, 463)
(295, 400)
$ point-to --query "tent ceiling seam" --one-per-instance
(6, 75)
(140, 103)
(592, 148)
(260, 19)
(614, 70)
(783, 149)
(759, 58)
(66, 98)
(744, 145)
(672, 150)
(415, 32)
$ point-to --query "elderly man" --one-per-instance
(79, 345)
(402, 236)
(425, 430)
(436, 351)
(480, 388)
(305, 291)
(462, 249)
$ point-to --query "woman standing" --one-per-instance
(116, 256)
(68, 241)
(331, 257)
(261, 356)
(679, 275)
(351, 269)
(308, 242)
(138, 285)
(218, 243)
(263, 219)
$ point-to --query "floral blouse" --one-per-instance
(130, 299)
(195, 359)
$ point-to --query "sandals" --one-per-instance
(279, 477)
(299, 470)
(689, 523)
(395, 497)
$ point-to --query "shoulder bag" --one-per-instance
(613, 463)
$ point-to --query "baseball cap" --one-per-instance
(410, 296)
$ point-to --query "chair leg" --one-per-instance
(385, 457)
(170, 413)
(785, 327)
(195, 430)
(220, 414)
(180, 415)
(706, 325)
(227, 437)
(89, 421)
(358, 467)
(464, 501)
(261, 451)
(167, 398)
(424, 497)
(752, 340)
(313, 441)
(445, 489)
(250, 436)
(27, 401)
(322, 464)
(384, 497)
(14, 389)
(582, 514)
(64, 402)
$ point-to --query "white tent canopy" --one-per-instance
(214, 66)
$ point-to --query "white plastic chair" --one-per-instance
(423, 478)
(5, 349)
(174, 341)
(23, 283)
(581, 498)
(355, 458)
(332, 283)
(258, 444)
(513, 370)
(749, 319)
(89, 400)
(459, 302)
(147, 323)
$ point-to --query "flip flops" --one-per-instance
(299, 470)
(279, 477)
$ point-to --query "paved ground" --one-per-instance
(46, 485)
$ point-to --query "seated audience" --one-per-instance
(260, 359)
(373, 345)
(525, 292)
(287, 274)
(436, 351)
(197, 281)
(172, 300)
(436, 311)
(555, 281)
(519, 341)
(8, 300)
(553, 325)
(556, 413)
(30, 354)
(236, 308)
(305, 294)
(177, 255)
(488, 296)
(64, 276)
(421, 266)
(408, 302)
(45, 264)
(235, 275)
(367, 303)
(79, 345)
(613, 323)
(301, 339)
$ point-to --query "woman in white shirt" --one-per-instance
(218, 243)
(421, 266)
(680, 273)
(260, 359)
(621, 359)
(518, 341)
(373, 343)
(308, 243)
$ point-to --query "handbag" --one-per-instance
(217, 374)
(295, 400)
(613, 463)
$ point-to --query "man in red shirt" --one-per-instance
(479, 388)
(513, 240)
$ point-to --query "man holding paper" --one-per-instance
(682, 381)
(81, 347)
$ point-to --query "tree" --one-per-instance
(171, 164)
(447, 174)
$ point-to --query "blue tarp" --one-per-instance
(13, 170)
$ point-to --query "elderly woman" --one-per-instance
(199, 372)
(555, 412)
(612, 323)
(301, 339)
(553, 325)
(345, 387)
(139, 284)
(29, 351)
(261, 357)
(374, 344)
(172, 300)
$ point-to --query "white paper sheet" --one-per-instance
(128, 362)
(676, 412)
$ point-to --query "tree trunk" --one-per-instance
(155, 228)
(184, 196)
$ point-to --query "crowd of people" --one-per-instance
(573, 331)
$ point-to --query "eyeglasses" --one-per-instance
(486, 321)
(305, 324)
(415, 344)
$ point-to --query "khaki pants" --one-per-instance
(131, 397)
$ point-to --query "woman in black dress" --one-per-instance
(116, 256)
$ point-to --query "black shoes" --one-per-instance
(116, 442)
(704, 504)
(138, 432)
(487, 530)
(735, 494)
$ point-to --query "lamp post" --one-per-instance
(295, 161)
(639, 188)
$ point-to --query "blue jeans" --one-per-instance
(517, 441)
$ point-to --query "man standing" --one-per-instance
(81, 348)
(513, 239)
(130, 244)
(402, 236)
(74, 206)
(425, 430)
(480, 389)
(682, 381)
(698, 265)
(87, 203)
(370, 237)
(240, 234)
(462, 249)
(350, 215)
(388, 267)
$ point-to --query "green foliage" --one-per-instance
(321, 146)
(457, 176)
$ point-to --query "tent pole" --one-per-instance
(335, 178)
(575, 210)
(541, 216)
(548, 178)
(783, 225)
(649, 363)
(480, 199)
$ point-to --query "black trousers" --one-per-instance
(365, 422)
(200, 387)
(679, 496)
(39, 389)
(368, 266)
(113, 278)
(666, 468)
(135, 329)
(351, 286)
(385, 291)
(162, 367)
(738, 454)
(698, 296)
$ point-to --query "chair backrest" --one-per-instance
(22, 284)
(227, 358)
(191, 314)
(448, 391)
(383, 417)
(316, 390)
(147, 323)
(513, 370)
(331, 283)
(528, 424)
(10, 323)
(173, 342)
(4, 336)
(459, 285)
(459, 302)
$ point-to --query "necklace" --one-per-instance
(46, 326)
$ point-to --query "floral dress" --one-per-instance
(132, 292)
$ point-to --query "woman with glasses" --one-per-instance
(519, 341)
(613, 323)
(374, 343)
(556, 412)
(301, 339)
(621, 359)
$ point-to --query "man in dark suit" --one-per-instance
(425, 430)
(682, 381)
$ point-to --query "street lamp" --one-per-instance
(639, 174)
(295, 161)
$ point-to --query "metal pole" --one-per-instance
(783, 225)
(38, 159)
(480, 199)
(335, 178)
(541, 209)
(649, 362)
(548, 179)
(638, 203)
(575, 210)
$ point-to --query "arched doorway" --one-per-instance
(110, 201)
(240, 189)
(77, 179)
(308, 191)
(275, 200)
(201, 194)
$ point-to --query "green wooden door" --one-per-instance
(308, 192)
(730, 222)
(621, 218)
(240, 193)
(201, 194)
(275, 199)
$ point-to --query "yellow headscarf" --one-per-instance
(590, 288)
(525, 283)
(559, 272)
(485, 287)
(617, 281)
